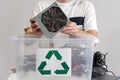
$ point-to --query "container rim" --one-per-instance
(36, 37)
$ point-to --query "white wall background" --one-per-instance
(14, 17)
(108, 15)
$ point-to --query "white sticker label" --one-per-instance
(53, 62)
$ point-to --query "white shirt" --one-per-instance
(77, 9)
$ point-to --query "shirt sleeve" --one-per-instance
(90, 22)
(37, 9)
(41, 5)
(90, 18)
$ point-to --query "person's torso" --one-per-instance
(74, 10)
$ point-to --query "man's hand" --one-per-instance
(33, 29)
(72, 29)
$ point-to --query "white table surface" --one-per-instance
(13, 76)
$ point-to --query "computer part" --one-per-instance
(51, 20)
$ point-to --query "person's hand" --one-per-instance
(71, 29)
(33, 29)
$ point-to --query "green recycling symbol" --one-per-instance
(58, 57)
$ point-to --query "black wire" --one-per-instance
(100, 60)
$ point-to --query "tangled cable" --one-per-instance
(99, 65)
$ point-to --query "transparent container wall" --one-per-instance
(81, 57)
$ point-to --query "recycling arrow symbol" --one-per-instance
(41, 67)
(66, 68)
(58, 57)
(55, 52)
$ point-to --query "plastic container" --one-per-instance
(53, 59)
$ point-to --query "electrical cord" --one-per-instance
(100, 67)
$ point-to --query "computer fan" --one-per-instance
(51, 20)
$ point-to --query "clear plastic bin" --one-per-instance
(75, 61)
